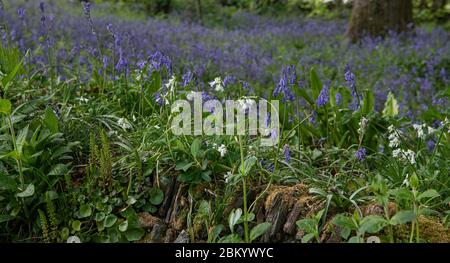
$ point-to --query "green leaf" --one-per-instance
(195, 147)
(156, 196)
(5, 218)
(248, 165)
(99, 216)
(316, 84)
(29, 191)
(233, 218)
(134, 234)
(76, 225)
(428, 194)
(369, 102)
(306, 238)
(50, 120)
(344, 222)
(414, 181)
(390, 106)
(5, 106)
(11, 75)
(307, 224)
(214, 233)
(110, 220)
(7, 183)
(372, 224)
(85, 211)
(123, 226)
(403, 217)
(258, 230)
(58, 169)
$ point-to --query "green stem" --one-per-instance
(244, 190)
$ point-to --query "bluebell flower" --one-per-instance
(312, 118)
(431, 145)
(324, 96)
(338, 99)
(287, 153)
(42, 6)
(361, 154)
(21, 13)
(230, 79)
(350, 79)
(187, 78)
(159, 99)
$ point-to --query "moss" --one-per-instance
(431, 231)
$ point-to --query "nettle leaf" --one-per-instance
(259, 230)
(403, 217)
(50, 120)
(306, 238)
(5, 106)
(85, 211)
(390, 106)
(29, 191)
(372, 224)
(59, 169)
(195, 147)
(156, 196)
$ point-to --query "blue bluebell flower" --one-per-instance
(324, 96)
(287, 153)
(361, 154)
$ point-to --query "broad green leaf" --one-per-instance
(306, 238)
(76, 225)
(214, 233)
(99, 216)
(316, 84)
(307, 224)
(372, 224)
(50, 120)
(5, 218)
(29, 191)
(233, 218)
(110, 220)
(259, 230)
(7, 183)
(369, 102)
(58, 169)
(156, 196)
(123, 226)
(344, 222)
(403, 217)
(5, 106)
(390, 106)
(428, 194)
(248, 165)
(85, 211)
(134, 234)
(233, 238)
(195, 147)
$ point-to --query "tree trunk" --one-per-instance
(377, 17)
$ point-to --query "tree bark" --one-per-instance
(377, 17)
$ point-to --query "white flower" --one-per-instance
(124, 124)
(407, 155)
(362, 125)
(170, 85)
(83, 99)
(420, 130)
(228, 177)
(157, 127)
(406, 181)
(217, 84)
(394, 140)
(222, 150)
(431, 130)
